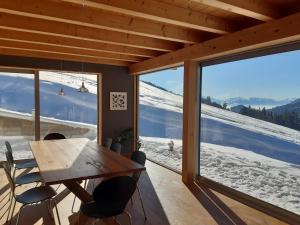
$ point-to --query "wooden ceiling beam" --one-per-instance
(51, 40)
(68, 51)
(272, 33)
(95, 18)
(163, 12)
(58, 56)
(256, 9)
(21, 23)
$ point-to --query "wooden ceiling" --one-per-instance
(140, 34)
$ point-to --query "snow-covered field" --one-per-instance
(253, 156)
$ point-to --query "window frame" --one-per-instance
(263, 206)
(137, 114)
(38, 103)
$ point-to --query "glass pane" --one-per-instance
(160, 116)
(16, 113)
(65, 109)
(250, 127)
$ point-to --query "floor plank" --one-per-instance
(167, 202)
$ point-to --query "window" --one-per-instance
(17, 112)
(160, 116)
(65, 109)
(250, 127)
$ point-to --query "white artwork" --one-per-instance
(118, 100)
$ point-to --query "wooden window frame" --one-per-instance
(263, 206)
(38, 109)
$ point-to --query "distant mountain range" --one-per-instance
(293, 106)
(254, 102)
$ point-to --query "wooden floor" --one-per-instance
(167, 200)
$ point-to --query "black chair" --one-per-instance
(140, 158)
(23, 179)
(54, 136)
(116, 147)
(108, 143)
(20, 180)
(110, 198)
(30, 196)
(28, 164)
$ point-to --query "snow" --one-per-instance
(262, 177)
(253, 156)
(263, 170)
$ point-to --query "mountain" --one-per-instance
(294, 106)
(257, 102)
(237, 108)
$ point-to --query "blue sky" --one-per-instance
(275, 76)
(171, 79)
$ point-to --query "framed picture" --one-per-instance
(118, 100)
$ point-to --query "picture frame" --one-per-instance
(118, 101)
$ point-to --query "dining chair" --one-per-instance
(140, 158)
(28, 178)
(22, 179)
(110, 198)
(29, 197)
(108, 143)
(116, 147)
(28, 164)
(54, 136)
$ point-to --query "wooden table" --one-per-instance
(69, 161)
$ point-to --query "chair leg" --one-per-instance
(57, 187)
(141, 200)
(115, 219)
(129, 216)
(19, 214)
(73, 204)
(10, 200)
(58, 218)
(12, 212)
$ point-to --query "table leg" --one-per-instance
(84, 196)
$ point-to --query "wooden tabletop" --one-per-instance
(75, 159)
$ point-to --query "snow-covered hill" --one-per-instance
(253, 156)
(256, 157)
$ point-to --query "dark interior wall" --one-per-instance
(114, 78)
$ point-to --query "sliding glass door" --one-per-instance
(160, 116)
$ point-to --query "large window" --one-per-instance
(250, 127)
(160, 116)
(68, 104)
(17, 112)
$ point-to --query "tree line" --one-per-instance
(288, 119)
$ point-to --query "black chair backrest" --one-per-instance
(115, 193)
(9, 159)
(140, 158)
(7, 170)
(108, 143)
(54, 136)
(9, 155)
(116, 147)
